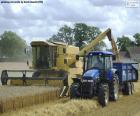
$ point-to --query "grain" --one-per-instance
(15, 97)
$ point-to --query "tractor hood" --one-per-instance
(91, 74)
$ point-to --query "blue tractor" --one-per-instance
(103, 78)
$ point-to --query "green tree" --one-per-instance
(83, 32)
(12, 45)
(79, 35)
(137, 39)
(100, 46)
(124, 42)
(65, 34)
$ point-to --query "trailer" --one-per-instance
(127, 73)
(103, 78)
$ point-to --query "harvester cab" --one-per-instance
(53, 55)
(44, 54)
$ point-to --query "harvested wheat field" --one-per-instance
(13, 66)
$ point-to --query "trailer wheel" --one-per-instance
(74, 91)
(103, 94)
(132, 87)
(127, 90)
(114, 89)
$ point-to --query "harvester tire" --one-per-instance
(103, 94)
(74, 91)
(4, 82)
(4, 77)
(114, 89)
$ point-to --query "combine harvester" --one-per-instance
(59, 64)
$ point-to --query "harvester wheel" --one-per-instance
(4, 81)
(74, 91)
(103, 94)
(114, 89)
(4, 76)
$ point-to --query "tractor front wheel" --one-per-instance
(103, 94)
(74, 91)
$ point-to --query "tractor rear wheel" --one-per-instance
(74, 91)
(103, 94)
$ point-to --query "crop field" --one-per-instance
(125, 106)
(15, 97)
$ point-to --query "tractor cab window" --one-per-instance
(94, 61)
(108, 62)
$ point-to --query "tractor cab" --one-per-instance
(97, 62)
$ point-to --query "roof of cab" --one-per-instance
(36, 43)
(100, 52)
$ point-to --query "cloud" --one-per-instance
(108, 2)
(41, 21)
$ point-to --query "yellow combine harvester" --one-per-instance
(56, 55)
(55, 63)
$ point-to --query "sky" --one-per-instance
(39, 21)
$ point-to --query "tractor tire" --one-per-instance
(103, 94)
(114, 89)
(127, 90)
(74, 91)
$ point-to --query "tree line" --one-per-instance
(12, 45)
(82, 33)
(124, 42)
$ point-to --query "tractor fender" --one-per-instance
(114, 71)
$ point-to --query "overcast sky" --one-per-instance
(40, 21)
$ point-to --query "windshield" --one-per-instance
(94, 61)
